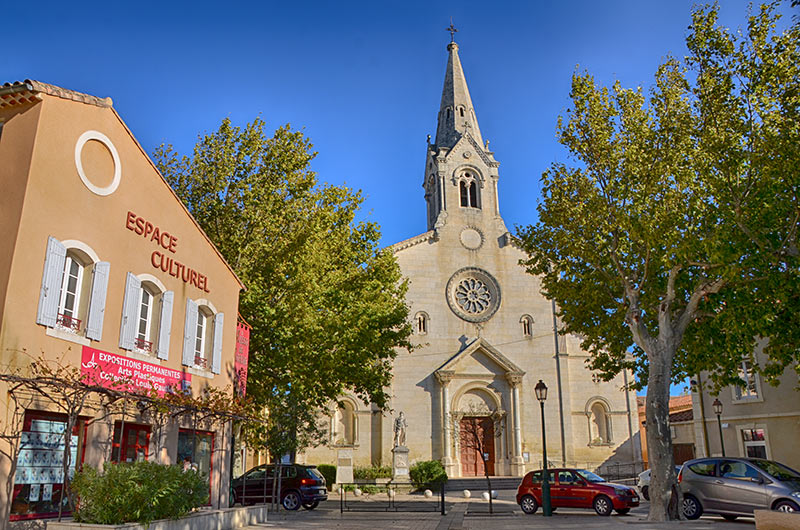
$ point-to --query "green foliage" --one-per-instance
(670, 242)
(136, 492)
(372, 472)
(326, 305)
(673, 234)
(427, 474)
(329, 472)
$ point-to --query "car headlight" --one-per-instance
(796, 494)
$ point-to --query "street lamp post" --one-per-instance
(541, 395)
(717, 405)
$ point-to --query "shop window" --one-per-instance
(196, 451)
(40, 472)
(73, 292)
(527, 325)
(202, 347)
(751, 387)
(422, 323)
(146, 316)
(131, 443)
(755, 443)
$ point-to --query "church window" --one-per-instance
(468, 191)
(422, 323)
(461, 111)
(527, 325)
(448, 113)
(599, 424)
(344, 424)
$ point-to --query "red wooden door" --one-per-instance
(477, 445)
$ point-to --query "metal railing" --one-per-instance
(392, 497)
(68, 322)
(143, 345)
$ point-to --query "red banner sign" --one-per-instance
(242, 357)
(125, 374)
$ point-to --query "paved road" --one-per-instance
(472, 514)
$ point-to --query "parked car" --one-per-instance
(643, 483)
(733, 487)
(299, 486)
(576, 488)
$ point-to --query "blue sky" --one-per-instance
(363, 79)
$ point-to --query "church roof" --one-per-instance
(456, 113)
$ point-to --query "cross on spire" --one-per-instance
(452, 29)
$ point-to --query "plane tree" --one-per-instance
(669, 241)
(325, 303)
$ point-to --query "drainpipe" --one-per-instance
(558, 379)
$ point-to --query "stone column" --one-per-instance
(517, 463)
(444, 377)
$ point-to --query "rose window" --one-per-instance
(473, 296)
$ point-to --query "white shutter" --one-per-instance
(216, 359)
(189, 333)
(165, 324)
(130, 303)
(51, 282)
(97, 302)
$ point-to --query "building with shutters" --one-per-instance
(485, 336)
(102, 268)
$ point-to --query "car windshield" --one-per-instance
(589, 476)
(776, 470)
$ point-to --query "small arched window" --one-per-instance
(69, 305)
(468, 191)
(344, 427)
(422, 323)
(461, 111)
(526, 322)
(599, 424)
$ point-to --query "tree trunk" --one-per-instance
(659, 439)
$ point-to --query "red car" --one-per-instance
(576, 488)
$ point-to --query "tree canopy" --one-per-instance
(670, 243)
(326, 305)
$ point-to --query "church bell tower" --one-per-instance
(460, 172)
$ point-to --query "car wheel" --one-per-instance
(787, 506)
(729, 517)
(529, 504)
(623, 511)
(646, 493)
(310, 505)
(692, 509)
(291, 501)
(602, 505)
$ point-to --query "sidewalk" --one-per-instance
(472, 514)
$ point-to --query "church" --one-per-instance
(485, 334)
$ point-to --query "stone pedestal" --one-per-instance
(344, 466)
(517, 466)
(400, 464)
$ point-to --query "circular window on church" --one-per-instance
(473, 294)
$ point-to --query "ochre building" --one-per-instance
(102, 269)
(486, 335)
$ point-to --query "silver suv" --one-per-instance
(736, 486)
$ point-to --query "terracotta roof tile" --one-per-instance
(24, 92)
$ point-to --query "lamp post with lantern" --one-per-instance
(717, 405)
(541, 394)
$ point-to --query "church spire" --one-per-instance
(456, 113)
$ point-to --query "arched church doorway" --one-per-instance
(476, 437)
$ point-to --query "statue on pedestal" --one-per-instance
(400, 425)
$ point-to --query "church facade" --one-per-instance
(486, 337)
